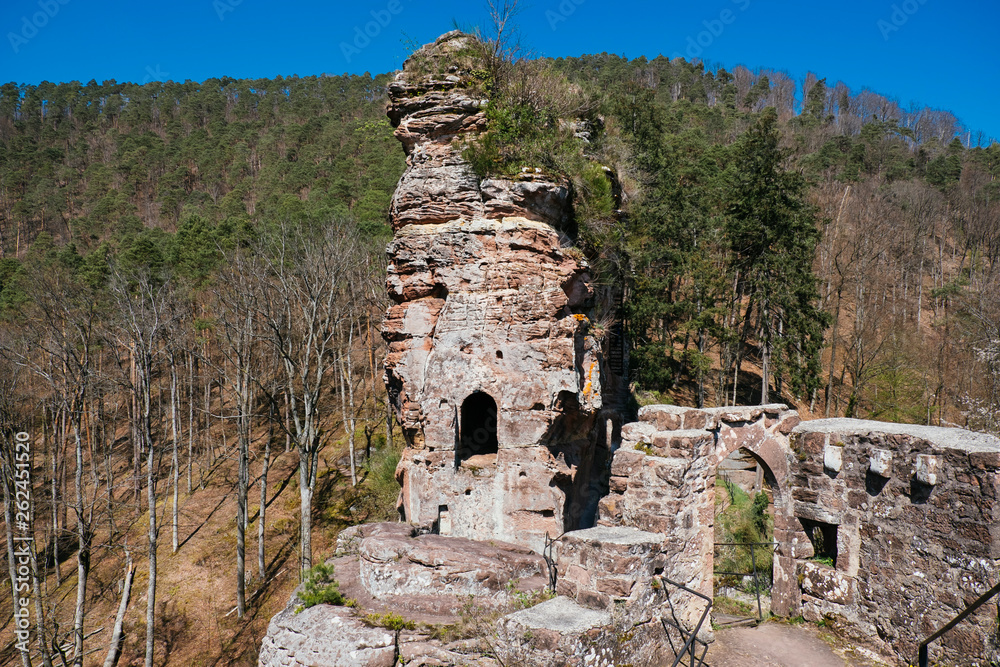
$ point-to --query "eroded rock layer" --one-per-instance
(494, 376)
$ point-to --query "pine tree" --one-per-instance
(772, 235)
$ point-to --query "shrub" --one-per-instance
(321, 588)
(389, 621)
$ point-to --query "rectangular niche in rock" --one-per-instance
(477, 436)
(823, 537)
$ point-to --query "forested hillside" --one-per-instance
(899, 221)
(191, 286)
(95, 162)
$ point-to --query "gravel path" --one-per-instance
(780, 645)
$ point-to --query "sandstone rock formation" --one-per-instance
(494, 376)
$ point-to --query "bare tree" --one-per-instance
(308, 283)
(144, 308)
(57, 347)
(9, 417)
(236, 304)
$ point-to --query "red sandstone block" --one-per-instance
(668, 422)
(622, 565)
(619, 484)
(810, 443)
(786, 425)
(577, 575)
(593, 599)
(653, 523)
(626, 462)
(609, 511)
(697, 419)
(566, 587)
(615, 587)
(985, 460)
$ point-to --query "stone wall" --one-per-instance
(916, 518)
(907, 517)
(491, 304)
(663, 477)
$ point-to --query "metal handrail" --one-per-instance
(547, 554)
(983, 599)
(690, 641)
(753, 563)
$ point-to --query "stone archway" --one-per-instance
(663, 480)
(745, 500)
(764, 435)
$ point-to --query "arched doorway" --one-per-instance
(743, 557)
(477, 435)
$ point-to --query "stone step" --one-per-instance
(620, 535)
(560, 615)
(599, 565)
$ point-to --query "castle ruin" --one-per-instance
(514, 439)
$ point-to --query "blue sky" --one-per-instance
(936, 53)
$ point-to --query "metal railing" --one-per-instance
(983, 599)
(547, 554)
(691, 641)
(754, 571)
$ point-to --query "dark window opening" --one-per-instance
(443, 524)
(478, 427)
(824, 540)
(499, 354)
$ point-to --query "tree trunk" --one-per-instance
(114, 650)
(36, 585)
(241, 511)
(343, 414)
(833, 352)
(305, 504)
(765, 370)
(55, 498)
(388, 422)
(151, 502)
(83, 557)
(175, 468)
(262, 513)
(191, 363)
(765, 344)
(352, 425)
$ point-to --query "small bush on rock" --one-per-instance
(321, 588)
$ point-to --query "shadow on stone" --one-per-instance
(920, 493)
(874, 483)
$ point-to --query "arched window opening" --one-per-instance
(477, 428)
